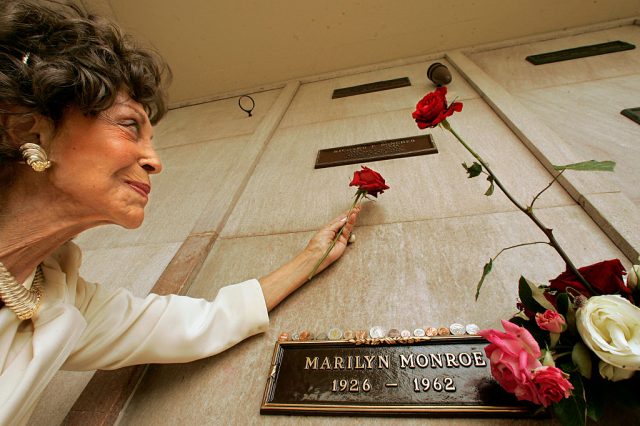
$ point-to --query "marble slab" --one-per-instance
(401, 275)
(198, 179)
(423, 187)
(212, 120)
(313, 101)
(587, 117)
(509, 67)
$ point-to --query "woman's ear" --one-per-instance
(20, 128)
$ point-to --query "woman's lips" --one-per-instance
(142, 188)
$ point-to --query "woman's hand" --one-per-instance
(323, 239)
(289, 277)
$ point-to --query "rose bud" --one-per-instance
(632, 277)
(551, 321)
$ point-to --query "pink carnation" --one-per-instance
(551, 385)
(551, 321)
(513, 355)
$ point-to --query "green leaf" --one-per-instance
(562, 300)
(595, 395)
(474, 170)
(572, 411)
(591, 165)
(490, 190)
(532, 297)
(485, 272)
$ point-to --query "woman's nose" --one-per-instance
(151, 161)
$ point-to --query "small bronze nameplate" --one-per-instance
(440, 376)
(372, 151)
(371, 87)
(580, 52)
(632, 113)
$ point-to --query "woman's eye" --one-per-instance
(132, 124)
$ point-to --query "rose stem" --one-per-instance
(357, 197)
(528, 211)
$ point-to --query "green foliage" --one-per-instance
(562, 300)
(572, 411)
(485, 272)
(595, 395)
(473, 170)
(491, 187)
(591, 165)
(532, 297)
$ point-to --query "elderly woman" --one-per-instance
(77, 105)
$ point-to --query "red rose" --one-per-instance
(369, 180)
(551, 385)
(432, 109)
(605, 277)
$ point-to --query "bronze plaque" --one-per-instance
(371, 87)
(580, 52)
(632, 113)
(372, 151)
(439, 376)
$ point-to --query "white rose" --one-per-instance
(610, 327)
(609, 372)
(632, 276)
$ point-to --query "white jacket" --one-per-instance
(83, 326)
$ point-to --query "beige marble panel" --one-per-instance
(313, 102)
(422, 187)
(58, 398)
(198, 179)
(587, 117)
(212, 120)
(509, 67)
(396, 275)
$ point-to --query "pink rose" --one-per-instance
(551, 321)
(551, 385)
(513, 356)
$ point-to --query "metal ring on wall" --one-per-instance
(247, 110)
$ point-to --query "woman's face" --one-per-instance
(101, 165)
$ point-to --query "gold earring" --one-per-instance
(35, 156)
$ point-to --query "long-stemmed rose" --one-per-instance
(432, 110)
(369, 182)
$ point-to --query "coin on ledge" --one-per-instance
(431, 331)
(377, 332)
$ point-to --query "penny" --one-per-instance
(405, 334)
(457, 329)
(431, 331)
(361, 334)
(305, 335)
(349, 334)
(377, 332)
(322, 336)
(335, 334)
(472, 329)
(394, 333)
(418, 332)
(443, 331)
(283, 337)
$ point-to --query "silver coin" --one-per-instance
(295, 336)
(335, 334)
(322, 336)
(377, 332)
(472, 329)
(457, 329)
(405, 334)
(418, 332)
(394, 333)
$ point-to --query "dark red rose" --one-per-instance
(369, 180)
(432, 109)
(605, 277)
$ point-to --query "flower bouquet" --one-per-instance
(574, 342)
